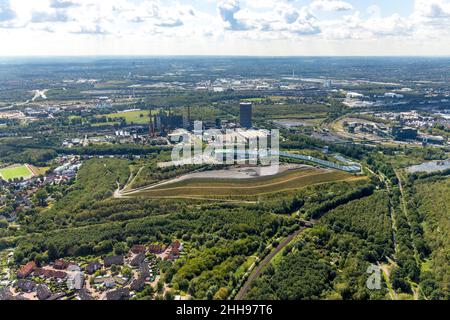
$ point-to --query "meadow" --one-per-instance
(135, 116)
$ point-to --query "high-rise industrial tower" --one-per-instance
(246, 114)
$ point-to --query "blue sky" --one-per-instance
(224, 27)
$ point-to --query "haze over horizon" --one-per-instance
(225, 28)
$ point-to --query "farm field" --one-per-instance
(244, 188)
(16, 172)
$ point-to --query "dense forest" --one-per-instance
(87, 221)
(430, 201)
(330, 260)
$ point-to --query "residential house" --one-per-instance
(107, 281)
(138, 284)
(138, 248)
(73, 267)
(75, 281)
(144, 270)
(83, 294)
(156, 249)
(175, 248)
(43, 292)
(177, 244)
(113, 260)
(60, 265)
(136, 261)
(5, 294)
(46, 273)
(93, 266)
(25, 285)
(26, 270)
(119, 294)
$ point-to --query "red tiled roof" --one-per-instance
(138, 248)
(26, 270)
(176, 244)
(50, 273)
(60, 264)
(156, 248)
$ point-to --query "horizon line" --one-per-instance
(214, 56)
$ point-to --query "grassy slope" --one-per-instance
(252, 187)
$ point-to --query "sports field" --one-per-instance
(244, 188)
(16, 172)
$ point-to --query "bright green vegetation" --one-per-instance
(330, 260)
(385, 216)
(96, 182)
(222, 240)
(135, 116)
(16, 172)
(431, 199)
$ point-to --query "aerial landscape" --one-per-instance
(306, 177)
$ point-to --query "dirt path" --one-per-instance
(416, 290)
(386, 274)
(120, 191)
(131, 179)
(246, 187)
(256, 272)
(32, 170)
(169, 182)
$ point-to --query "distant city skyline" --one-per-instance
(225, 27)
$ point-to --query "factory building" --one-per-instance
(404, 133)
(162, 122)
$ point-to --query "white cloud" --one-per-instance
(42, 16)
(374, 11)
(228, 10)
(331, 5)
(62, 4)
(6, 12)
(235, 23)
(432, 8)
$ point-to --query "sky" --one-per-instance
(225, 27)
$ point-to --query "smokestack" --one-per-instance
(151, 126)
(187, 118)
(189, 113)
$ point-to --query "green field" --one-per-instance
(15, 172)
(136, 117)
(248, 189)
(292, 111)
